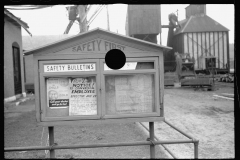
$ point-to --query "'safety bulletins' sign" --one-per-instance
(69, 67)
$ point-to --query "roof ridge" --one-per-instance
(186, 24)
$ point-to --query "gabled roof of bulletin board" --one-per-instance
(66, 43)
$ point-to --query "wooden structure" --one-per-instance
(203, 38)
(133, 93)
(143, 22)
(74, 86)
(13, 57)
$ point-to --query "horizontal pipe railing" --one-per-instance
(179, 130)
(162, 144)
(11, 149)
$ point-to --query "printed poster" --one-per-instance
(83, 96)
(57, 92)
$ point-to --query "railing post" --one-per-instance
(51, 141)
(196, 149)
(152, 147)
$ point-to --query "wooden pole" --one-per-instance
(82, 13)
(51, 141)
(151, 132)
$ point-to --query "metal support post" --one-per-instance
(152, 147)
(51, 141)
(196, 150)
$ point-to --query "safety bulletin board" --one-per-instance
(74, 86)
(89, 89)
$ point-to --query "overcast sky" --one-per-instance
(54, 20)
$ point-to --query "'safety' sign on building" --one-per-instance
(98, 45)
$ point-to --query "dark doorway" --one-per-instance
(17, 70)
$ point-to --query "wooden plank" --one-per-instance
(161, 77)
(216, 49)
(223, 97)
(207, 44)
(99, 55)
(225, 49)
(203, 44)
(211, 43)
(187, 43)
(36, 89)
(185, 50)
(214, 53)
(199, 50)
(190, 42)
(220, 49)
(228, 56)
(196, 82)
(192, 46)
(195, 49)
(228, 95)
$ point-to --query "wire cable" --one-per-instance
(95, 15)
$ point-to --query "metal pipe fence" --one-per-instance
(150, 141)
(191, 140)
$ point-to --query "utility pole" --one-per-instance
(82, 12)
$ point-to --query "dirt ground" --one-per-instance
(198, 113)
(21, 130)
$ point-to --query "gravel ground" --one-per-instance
(21, 129)
(198, 113)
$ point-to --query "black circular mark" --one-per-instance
(115, 59)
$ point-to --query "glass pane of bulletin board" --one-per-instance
(130, 94)
(72, 96)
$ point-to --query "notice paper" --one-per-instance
(83, 96)
(57, 92)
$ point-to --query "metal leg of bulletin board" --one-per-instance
(151, 132)
(51, 141)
